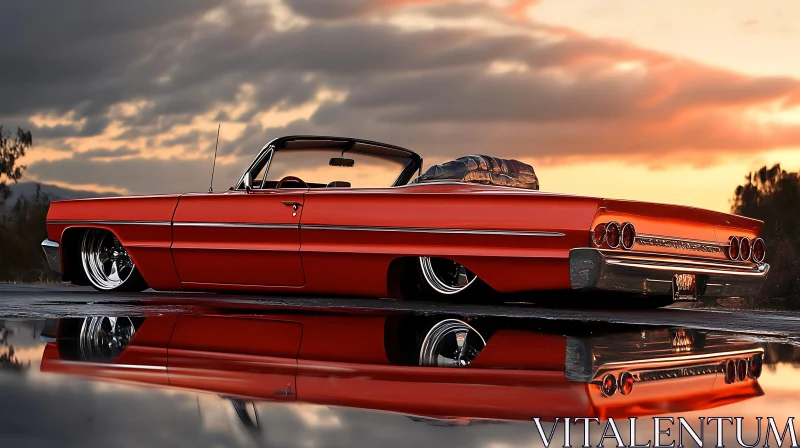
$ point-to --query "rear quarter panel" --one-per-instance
(675, 221)
(141, 223)
(342, 251)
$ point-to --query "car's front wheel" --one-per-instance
(107, 264)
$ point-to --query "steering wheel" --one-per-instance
(292, 179)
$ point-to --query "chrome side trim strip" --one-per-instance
(137, 223)
(432, 230)
(325, 227)
(235, 225)
(113, 366)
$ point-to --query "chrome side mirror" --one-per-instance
(248, 182)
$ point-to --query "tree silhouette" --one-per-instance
(22, 226)
(22, 230)
(8, 357)
(773, 196)
(12, 148)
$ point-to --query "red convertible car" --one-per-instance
(440, 367)
(469, 227)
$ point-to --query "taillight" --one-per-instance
(741, 369)
(733, 248)
(756, 364)
(759, 250)
(628, 236)
(609, 385)
(744, 248)
(730, 372)
(599, 234)
(613, 234)
(626, 383)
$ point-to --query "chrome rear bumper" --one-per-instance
(53, 255)
(652, 273)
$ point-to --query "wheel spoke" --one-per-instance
(114, 275)
(445, 276)
(451, 343)
(462, 276)
(106, 263)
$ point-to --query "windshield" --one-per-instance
(313, 167)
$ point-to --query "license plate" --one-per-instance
(684, 287)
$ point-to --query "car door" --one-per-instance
(244, 356)
(239, 238)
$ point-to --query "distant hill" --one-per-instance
(28, 189)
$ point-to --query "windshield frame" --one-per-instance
(263, 159)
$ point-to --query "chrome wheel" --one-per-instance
(450, 343)
(445, 276)
(105, 262)
(103, 338)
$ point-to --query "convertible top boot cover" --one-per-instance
(483, 170)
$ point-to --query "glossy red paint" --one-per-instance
(343, 241)
(216, 241)
(141, 223)
(318, 359)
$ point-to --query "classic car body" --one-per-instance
(380, 361)
(290, 236)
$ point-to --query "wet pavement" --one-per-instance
(86, 369)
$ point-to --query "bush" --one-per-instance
(22, 230)
(773, 196)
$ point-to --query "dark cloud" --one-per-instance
(139, 174)
(442, 91)
(107, 153)
(326, 9)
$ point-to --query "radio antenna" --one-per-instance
(213, 165)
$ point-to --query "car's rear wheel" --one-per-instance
(450, 343)
(443, 277)
(107, 264)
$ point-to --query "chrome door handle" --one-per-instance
(294, 205)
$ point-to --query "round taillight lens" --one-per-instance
(759, 250)
(628, 236)
(730, 371)
(626, 383)
(599, 234)
(609, 385)
(733, 248)
(613, 235)
(756, 364)
(741, 369)
(744, 248)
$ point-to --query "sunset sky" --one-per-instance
(667, 101)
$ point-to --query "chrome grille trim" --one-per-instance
(680, 243)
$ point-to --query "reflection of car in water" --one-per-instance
(426, 366)
(469, 227)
